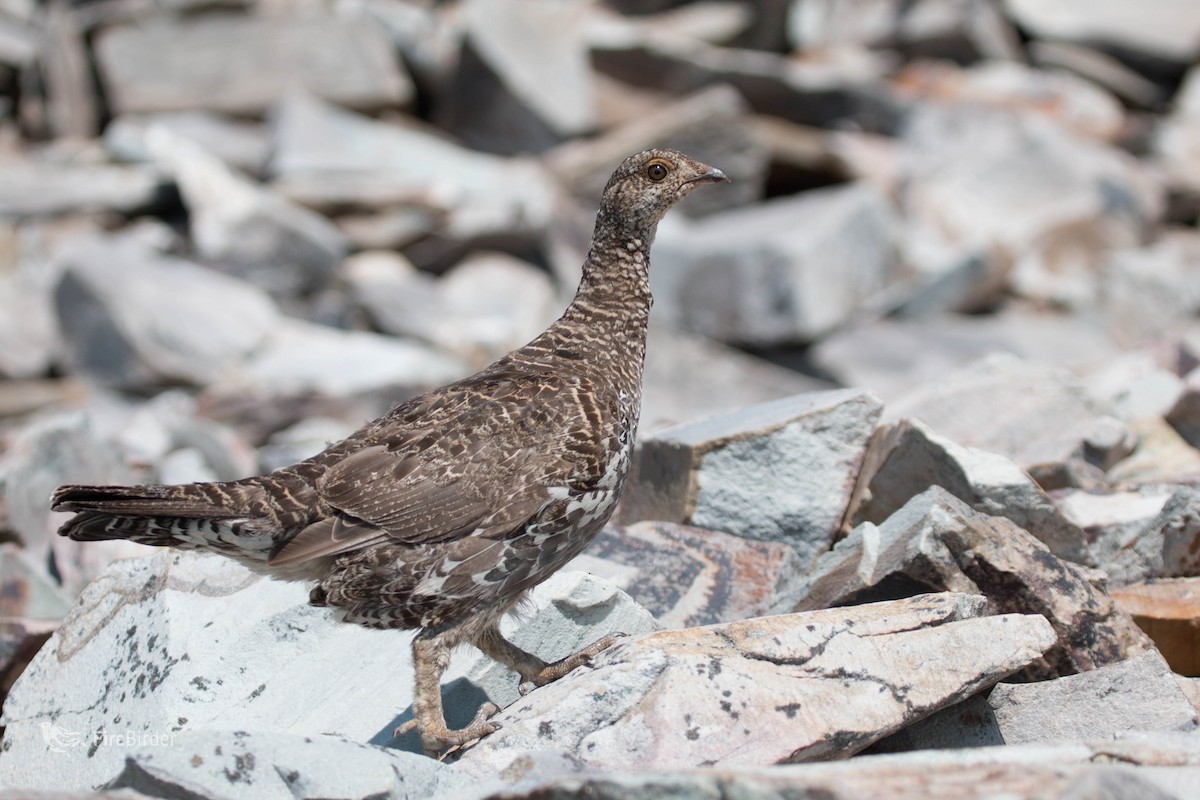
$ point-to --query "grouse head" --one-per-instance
(648, 183)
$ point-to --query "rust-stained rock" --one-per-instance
(1169, 612)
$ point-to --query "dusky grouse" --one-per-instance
(441, 514)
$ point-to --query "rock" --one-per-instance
(1035, 414)
(779, 471)
(20, 640)
(182, 642)
(398, 298)
(480, 309)
(523, 79)
(134, 319)
(951, 30)
(1113, 521)
(894, 356)
(1145, 292)
(64, 448)
(1169, 545)
(241, 63)
(808, 93)
(1071, 102)
(937, 542)
(689, 377)
(228, 764)
(248, 231)
(1035, 205)
(34, 188)
(1169, 612)
(20, 42)
(906, 458)
(768, 690)
(687, 577)
(1184, 413)
(1161, 455)
(1138, 694)
(1159, 768)
(1170, 30)
(29, 339)
(1100, 68)
(1135, 385)
(301, 357)
(325, 156)
(784, 271)
(26, 589)
(243, 145)
(712, 125)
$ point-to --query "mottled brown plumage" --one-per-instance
(441, 514)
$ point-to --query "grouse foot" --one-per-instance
(556, 670)
(438, 741)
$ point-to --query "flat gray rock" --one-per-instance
(688, 378)
(60, 448)
(788, 270)
(244, 145)
(26, 590)
(29, 339)
(36, 187)
(481, 308)
(301, 358)
(767, 690)
(1035, 414)
(1171, 32)
(326, 157)
(1138, 694)
(778, 471)
(1157, 767)
(522, 80)
(906, 458)
(241, 63)
(178, 643)
(220, 764)
(894, 356)
(1115, 522)
(936, 541)
(132, 318)
(1010, 192)
(245, 228)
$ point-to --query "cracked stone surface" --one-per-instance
(907, 457)
(1139, 694)
(1037, 415)
(796, 687)
(938, 542)
(1076, 771)
(178, 642)
(236, 765)
(778, 471)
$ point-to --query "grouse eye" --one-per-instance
(656, 171)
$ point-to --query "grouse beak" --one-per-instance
(713, 175)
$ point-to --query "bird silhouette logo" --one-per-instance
(60, 740)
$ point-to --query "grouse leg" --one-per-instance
(431, 656)
(534, 671)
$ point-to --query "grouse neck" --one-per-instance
(616, 272)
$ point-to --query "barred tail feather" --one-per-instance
(187, 502)
(96, 526)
